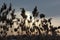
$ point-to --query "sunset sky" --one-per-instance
(51, 8)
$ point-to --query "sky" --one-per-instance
(51, 8)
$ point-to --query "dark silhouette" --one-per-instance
(10, 7)
(6, 25)
(49, 20)
(23, 13)
(12, 14)
(44, 23)
(35, 12)
(42, 15)
(52, 29)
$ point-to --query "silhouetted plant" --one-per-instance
(42, 15)
(35, 12)
(4, 11)
(10, 7)
(4, 7)
(44, 23)
(52, 29)
(35, 27)
(23, 13)
(49, 20)
(12, 14)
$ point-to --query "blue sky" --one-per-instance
(48, 7)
